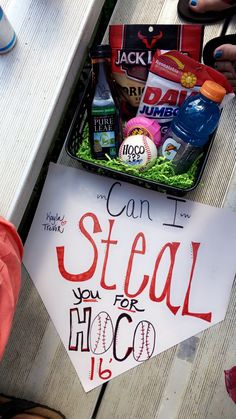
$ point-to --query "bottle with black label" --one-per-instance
(103, 110)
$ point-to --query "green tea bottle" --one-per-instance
(103, 112)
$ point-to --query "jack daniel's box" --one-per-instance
(133, 47)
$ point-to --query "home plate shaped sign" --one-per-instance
(124, 272)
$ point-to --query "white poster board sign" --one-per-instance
(124, 272)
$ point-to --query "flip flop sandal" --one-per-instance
(209, 17)
(207, 55)
(12, 406)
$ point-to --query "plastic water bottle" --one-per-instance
(190, 130)
(7, 34)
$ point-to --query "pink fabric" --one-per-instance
(11, 253)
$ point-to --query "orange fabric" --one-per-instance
(11, 253)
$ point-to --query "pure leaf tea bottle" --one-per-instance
(103, 112)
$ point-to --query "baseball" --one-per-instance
(101, 335)
(144, 341)
(138, 151)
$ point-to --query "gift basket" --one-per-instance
(155, 69)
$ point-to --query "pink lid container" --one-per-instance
(145, 126)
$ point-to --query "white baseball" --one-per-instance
(101, 334)
(138, 151)
(144, 341)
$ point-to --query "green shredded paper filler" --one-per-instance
(161, 172)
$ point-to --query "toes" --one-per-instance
(202, 6)
(228, 70)
(197, 6)
(226, 52)
(226, 67)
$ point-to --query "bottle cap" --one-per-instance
(101, 51)
(213, 91)
(145, 126)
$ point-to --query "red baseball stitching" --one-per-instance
(104, 334)
(121, 150)
(142, 341)
(147, 340)
(98, 333)
(147, 148)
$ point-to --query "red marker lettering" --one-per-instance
(130, 263)
(186, 312)
(173, 247)
(84, 276)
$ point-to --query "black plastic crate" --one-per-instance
(74, 139)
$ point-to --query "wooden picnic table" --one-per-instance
(184, 382)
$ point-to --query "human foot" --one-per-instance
(206, 11)
(225, 62)
(203, 6)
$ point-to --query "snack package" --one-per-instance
(173, 77)
(133, 47)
